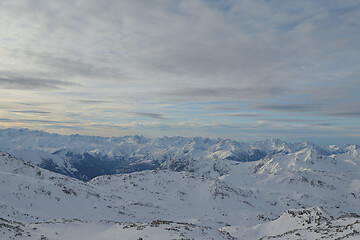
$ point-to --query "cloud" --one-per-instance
(149, 115)
(34, 84)
(265, 57)
(289, 107)
(221, 107)
(35, 121)
(6, 120)
(235, 93)
(304, 122)
(27, 104)
(288, 120)
(246, 115)
(347, 114)
(69, 66)
(251, 48)
(32, 112)
(91, 102)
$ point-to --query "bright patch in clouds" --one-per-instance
(238, 69)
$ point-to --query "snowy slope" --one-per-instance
(264, 199)
(41, 195)
(301, 180)
(36, 202)
(311, 223)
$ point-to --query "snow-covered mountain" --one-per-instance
(39, 204)
(201, 190)
(85, 157)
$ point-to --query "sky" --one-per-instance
(245, 70)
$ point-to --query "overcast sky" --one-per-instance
(245, 70)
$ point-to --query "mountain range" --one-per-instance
(86, 157)
(87, 187)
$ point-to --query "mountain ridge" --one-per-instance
(85, 157)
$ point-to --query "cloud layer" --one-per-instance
(213, 63)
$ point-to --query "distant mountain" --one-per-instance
(85, 157)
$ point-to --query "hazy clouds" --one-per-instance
(118, 62)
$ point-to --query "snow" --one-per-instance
(65, 153)
(294, 192)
